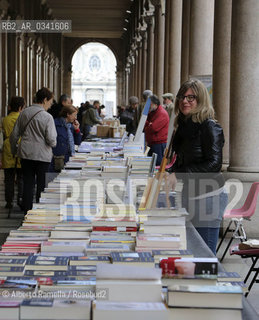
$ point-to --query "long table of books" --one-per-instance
(85, 252)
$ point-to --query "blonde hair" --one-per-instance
(204, 109)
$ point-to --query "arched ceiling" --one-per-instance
(92, 18)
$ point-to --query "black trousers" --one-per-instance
(9, 180)
(30, 170)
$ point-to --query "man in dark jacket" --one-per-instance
(63, 101)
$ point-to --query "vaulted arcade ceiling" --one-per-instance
(92, 18)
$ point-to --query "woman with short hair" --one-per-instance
(38, 134)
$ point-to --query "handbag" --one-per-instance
(59, 163)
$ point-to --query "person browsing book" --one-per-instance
(68, 134)
(198, 142)
(38, 135)
(156, 129)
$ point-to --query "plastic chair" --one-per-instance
(253, 254)
(169, 165)
(237, 216)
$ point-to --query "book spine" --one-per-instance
(122, 229)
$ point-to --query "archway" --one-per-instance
(94, 76)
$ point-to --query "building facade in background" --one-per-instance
(94, 76)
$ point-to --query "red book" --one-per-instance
(122, 229)
(21, 244)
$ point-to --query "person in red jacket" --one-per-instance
(156, 129)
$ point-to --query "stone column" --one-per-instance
(45, 70)
(144, 65)
(51, 71)
(175, 35)
(150, 56)
(244, 79)
(56, 71)
(5, 74)
(127, 86)
(3, 81)
(139, 73)
(20, 66)
(129, 67)
(67, 76)
(27, 78)
(118, 85)
(160, 51)
(167, 43)
(33, 69)
(201, 37)
(130, 84)
(221, 67)
(2, 111)
(135, 74)
(143, 33)
(185, 40)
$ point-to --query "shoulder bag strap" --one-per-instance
(30, 121)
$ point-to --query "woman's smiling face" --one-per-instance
(185, 103)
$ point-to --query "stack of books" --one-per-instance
(165, 254)
(60, 235)
(28, 247)
(54, 247)
(117, 210)
(47, 217)
(101, 240)
(129, 283)
(114, 171)
(205, 302)
(119, 224)
(140, 165)
(129, 310)
(147, 242)
(231, 278)
(32, 309)
(185, 271)
(89, 260)
(132, 149)
(53, 196)
(138, 259)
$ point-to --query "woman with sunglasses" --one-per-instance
(198, 142)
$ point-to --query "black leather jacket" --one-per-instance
(199, 153)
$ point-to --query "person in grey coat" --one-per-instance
(38, 134)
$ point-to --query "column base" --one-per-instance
(243, 169)
(242, 176)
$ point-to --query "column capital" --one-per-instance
(52, 59)
(133, 46)
(149, 11)
(159, 3)
(39, 42)
(46, 53)
(142, 28)
(56, 64)
(31, 39)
